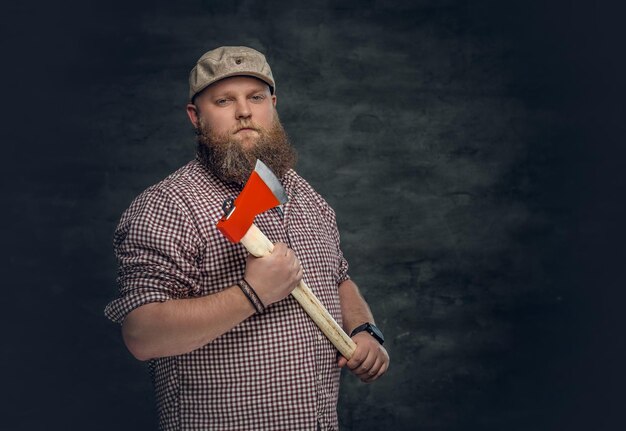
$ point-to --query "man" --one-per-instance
(189, 299)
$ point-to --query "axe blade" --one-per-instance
(261, 192)
(271, 181)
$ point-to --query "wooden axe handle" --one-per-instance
(259, 245)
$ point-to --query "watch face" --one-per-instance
(370, 329)
(376, 333)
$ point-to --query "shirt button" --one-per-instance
(320, 337)
(320, 378)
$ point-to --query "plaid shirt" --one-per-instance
(274, 371)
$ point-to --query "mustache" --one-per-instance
(246, 125)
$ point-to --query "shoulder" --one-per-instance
(165, 190)
(187, 180)
(184, 186)
(296, 184)
(299, 188)
(175, 194)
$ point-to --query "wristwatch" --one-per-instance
(371, 329)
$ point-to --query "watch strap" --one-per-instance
(371, 329)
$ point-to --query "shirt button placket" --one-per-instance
(320, 402)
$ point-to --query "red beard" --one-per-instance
(232, 163)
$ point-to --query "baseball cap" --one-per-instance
(227, 61)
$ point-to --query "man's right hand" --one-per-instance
(274, 276)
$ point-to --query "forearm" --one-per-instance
(354, 309)
(370, 359)
(181, 325)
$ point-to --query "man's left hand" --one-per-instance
(370, 359)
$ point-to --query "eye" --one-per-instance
(258, 97)
(222, 102)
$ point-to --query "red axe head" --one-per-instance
(261, 192)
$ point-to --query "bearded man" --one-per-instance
(216, 360)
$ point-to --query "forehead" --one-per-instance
(236, 84)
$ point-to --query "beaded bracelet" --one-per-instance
(251, 295)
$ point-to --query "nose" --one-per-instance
(243, 109)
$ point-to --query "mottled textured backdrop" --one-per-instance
(472, 151)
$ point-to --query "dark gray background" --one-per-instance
(473, 152)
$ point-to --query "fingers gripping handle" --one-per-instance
(259, 245)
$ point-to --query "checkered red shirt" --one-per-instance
(274, 371)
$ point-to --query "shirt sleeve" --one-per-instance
(157, 248)
(342, 269)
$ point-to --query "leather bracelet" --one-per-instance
(251, 295)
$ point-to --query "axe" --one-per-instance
(262, 192)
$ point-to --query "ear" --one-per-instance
(192, 113)
(274, 100)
